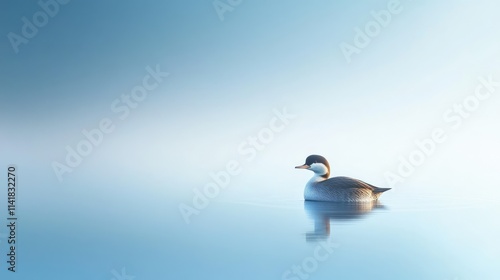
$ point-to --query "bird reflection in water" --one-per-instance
(323, 212)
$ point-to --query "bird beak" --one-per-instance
(305, 166)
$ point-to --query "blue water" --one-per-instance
(112, 236)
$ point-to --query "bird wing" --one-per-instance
(347, 183)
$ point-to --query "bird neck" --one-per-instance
(318, 178)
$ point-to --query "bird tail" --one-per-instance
(380, 190)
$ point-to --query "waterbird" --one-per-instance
(337, 189)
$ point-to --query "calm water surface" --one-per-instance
(401, 237)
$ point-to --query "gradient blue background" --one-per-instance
(119, 208)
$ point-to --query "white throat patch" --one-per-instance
(319, 168)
